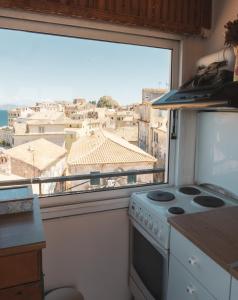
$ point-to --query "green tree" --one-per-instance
(108, 102)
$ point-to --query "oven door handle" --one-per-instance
(149, 238)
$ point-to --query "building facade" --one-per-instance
(106, 152)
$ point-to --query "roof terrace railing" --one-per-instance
(63, 179)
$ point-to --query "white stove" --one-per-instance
(152, 215)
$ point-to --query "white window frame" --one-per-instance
(102, 31)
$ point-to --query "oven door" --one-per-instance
(148, 265)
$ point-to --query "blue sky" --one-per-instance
(35, 67)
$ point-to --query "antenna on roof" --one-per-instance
(32, 150)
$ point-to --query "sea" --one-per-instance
(3, 118)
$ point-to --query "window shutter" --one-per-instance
(176, 16)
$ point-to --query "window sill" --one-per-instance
(85, 203)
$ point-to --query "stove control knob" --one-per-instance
(150, 225)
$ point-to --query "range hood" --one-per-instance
(222, 96)
(211, 87)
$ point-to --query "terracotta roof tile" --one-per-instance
(106, 148)
(40, 153)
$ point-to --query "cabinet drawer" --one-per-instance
(20, 268)
(183, 286)
(23, 292)
(201, 266)
(234, 289)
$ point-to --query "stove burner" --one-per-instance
(188, 190)
(160, 196)
(209, 201)
(176, 210)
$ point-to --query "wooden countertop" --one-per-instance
(215, 232)
(21, 232)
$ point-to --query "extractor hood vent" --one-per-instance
(212, 86)
(225, 95)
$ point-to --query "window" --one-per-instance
(156, 137)
(95, 181)
(131, 179)
(41, 129)
(100, 146)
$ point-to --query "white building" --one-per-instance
(149, 118)
(51, 106)
(6, 135)
(5, 164)
(150, 94)
(40, 125)
(39, 158)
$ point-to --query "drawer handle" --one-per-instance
(190, 290)
(192, 260)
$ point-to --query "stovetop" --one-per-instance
(152, 212)
(196, 199)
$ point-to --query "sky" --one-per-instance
(37, 67)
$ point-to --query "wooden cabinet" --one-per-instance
(21, 244)
(23, 292)
(198, 273)
(20, 268)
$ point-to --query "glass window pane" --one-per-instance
(71, 106)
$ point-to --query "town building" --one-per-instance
(5, 164)
(129, 133)
(19, 114)
(6, 135)
(50, 105)
(47, 115)
(106, 152)
(124, 118)
(150, 94)
(47, 124)
(36, 129)
(79, 101)
(13, 114)
(39, 158)
(149, 118)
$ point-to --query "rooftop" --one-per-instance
(47, 115)
(103, 147)
(39, 153)
(19, 128)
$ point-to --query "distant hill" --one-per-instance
(7, 106)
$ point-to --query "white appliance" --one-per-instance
(150, 232)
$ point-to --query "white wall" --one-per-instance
(56, 138)
(48, 128)
(54, 170)
(90, 252)
(193, 48)
(217, 149)
(223, 11)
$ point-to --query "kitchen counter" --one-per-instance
(215, 232)
(21, 232)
